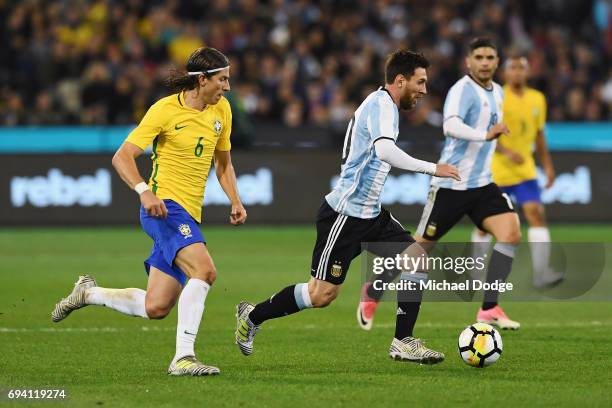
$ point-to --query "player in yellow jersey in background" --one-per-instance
(514, 168)
(187, 131)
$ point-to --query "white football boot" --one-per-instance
(75, 300)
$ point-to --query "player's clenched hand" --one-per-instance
(238, 215)
(154, 206)
(497, 130)
(447, 170)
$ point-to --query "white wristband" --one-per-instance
(141, 187)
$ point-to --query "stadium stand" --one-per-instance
(296, 62)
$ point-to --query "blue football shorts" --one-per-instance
(169, 236)
(525, 192)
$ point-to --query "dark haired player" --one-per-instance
(472, 123)
(352, 213)
(514, 169)
(187, 130)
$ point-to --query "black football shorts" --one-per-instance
(446, 207)
(339, 239)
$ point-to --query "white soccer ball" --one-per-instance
(480, 345)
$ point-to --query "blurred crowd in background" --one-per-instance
(293, 61)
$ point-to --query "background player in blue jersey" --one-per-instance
(352, 212)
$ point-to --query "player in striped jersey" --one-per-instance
(472, 123)
(352, 213)
(473, 116)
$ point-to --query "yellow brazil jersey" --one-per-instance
(183, 140)
(525, 115)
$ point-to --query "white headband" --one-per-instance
(209, 71)
(524, 62)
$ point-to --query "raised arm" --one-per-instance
(227, 179)
(124, 162)
(459, 102)
(387, 151)
(455, 127)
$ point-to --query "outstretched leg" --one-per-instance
(155, 303)
(159, 298)
(292, 299)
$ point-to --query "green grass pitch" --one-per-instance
(561, 356)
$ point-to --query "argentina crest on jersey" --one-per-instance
(362, 175)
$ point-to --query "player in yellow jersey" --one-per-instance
(514, 168)
(187, 131)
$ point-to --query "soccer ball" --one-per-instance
(480, 345)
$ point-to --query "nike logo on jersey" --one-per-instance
(191, 334)
(177, 127)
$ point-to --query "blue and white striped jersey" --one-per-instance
(363, 175)
(480, 109)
